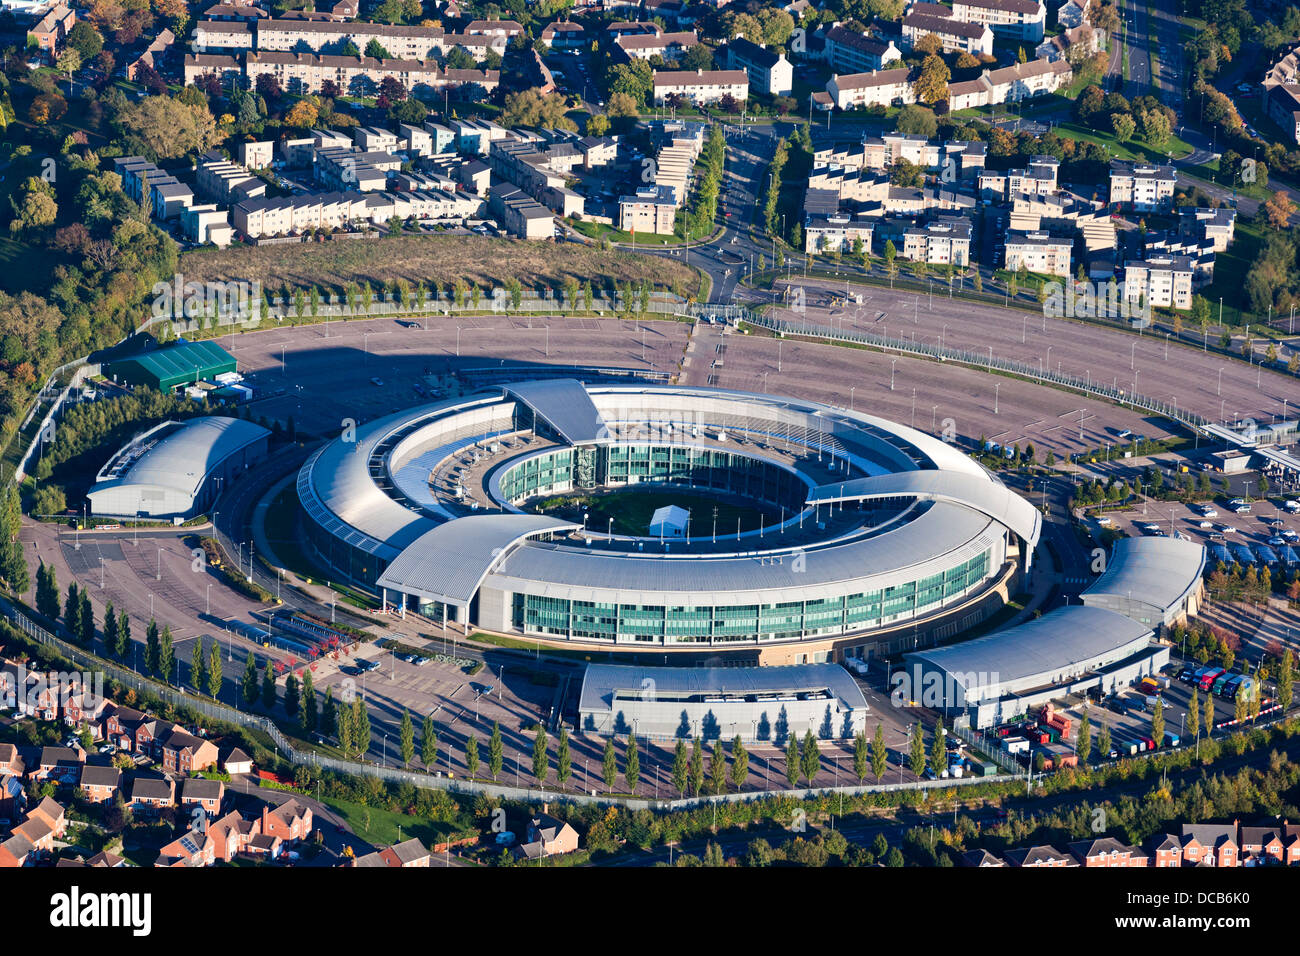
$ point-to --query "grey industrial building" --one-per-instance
(1106, 642)
(758, 704)
(889, 536)
(1154, 580)
(175, 469)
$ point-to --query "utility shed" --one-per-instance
(669, 522)
(174, 366)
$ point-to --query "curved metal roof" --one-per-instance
(1157, 571)
(984, 494)
(181, 460)
(601, 682)
(911, 550)
(449, 562)
(1061, 641)
(566, 404)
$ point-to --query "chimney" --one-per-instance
(264, 814)
(546, 809)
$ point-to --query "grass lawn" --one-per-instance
(1134, 149)
(380, 827)
(632, 510)
(23, 268)
(595, 230)
(1230, 270)
(483, 261)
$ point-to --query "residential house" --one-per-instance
(564, 35)
(1037, 856)
(290, 821)
(1212, 844)
(981, 858)
(1264, 845)
(878, 88)
(1166, 850)
(147, 794)
(100, 784)
(11, 762)
(200, 792)
(548, 836)
(50, 32)
(1107, 851)
(701, 86)
(59, 763)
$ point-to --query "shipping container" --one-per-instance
(1208, 679)
(1015, 745)
(1171, 739)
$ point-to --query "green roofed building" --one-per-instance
(177, 365)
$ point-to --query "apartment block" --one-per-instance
(1141, 186)
(1038, 252)
(837, 233)
(643, 46)
(223, 36)
(1012, 19)
(1217, 225)
(521, 214)
(345, 168)
(1012, 84)
(701, 86)
(848, 51)
(944, 241)
(1166, 281)
(924, 19)
(651, 209)
(769, 71)
(222, 181)
(877, 88)
(167, 195)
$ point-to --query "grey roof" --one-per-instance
(449, 562)
(182, 459)
(565, 404)
(1069, 636)
(984, 494)
(602, 681)
(1159, 571)
(913, 549)
(95, 776)
(200, 788)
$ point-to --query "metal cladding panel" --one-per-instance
(449, 562)
(1160, 572)
(565, 403)
(182, 460)
(934, 541)
(981, 493)
(1066, 640)
(601, 681)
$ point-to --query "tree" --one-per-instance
(563, 759)
(680, 768)
(360, 722)
(110, 630)
(47, 591)
(377, 50)
(85, 39)
(811, 758)
(860, 749)
(792, 761)
(471, 757)
(268, 686)
(622, 105)
(309, 706)
(1208, 717)
(86, 620)
(918, 120)
(124, 635)
(739, 763)
(168, 128)
(291, 695)
(1083, 743)
(939, 750)
(632, 763)
(496, 750)
(609, 764)
(541, 760)
(151, 649)
(303, 115)
(878, 753)
(429, 743)
(72, 610)
(718, 769)
(917, 756)
(250, 680)
(1285, 680)
(329, 714)
(198, 666)
(1278, 210)
(598, 125)
(1103, 742)
(1194, 715)
(932, 85)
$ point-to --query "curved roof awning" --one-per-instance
(448, 563)
(566, 405)
(981, 494)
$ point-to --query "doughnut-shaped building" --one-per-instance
(886, 538)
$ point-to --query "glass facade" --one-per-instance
(672, 464)
(714, 624)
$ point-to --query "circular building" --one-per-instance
(784, 530)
